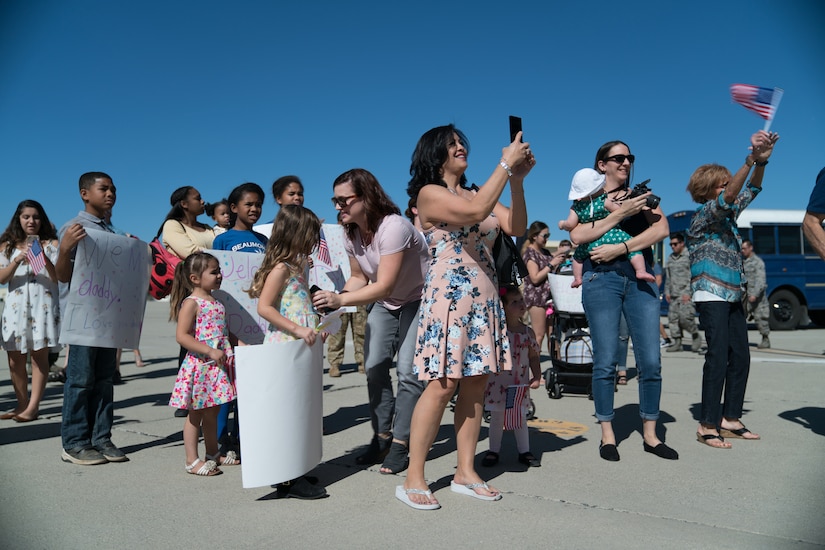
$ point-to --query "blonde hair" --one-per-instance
(704, 181)
(295, 233)
(194, 264)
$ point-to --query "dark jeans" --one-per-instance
(88, 397)
(727, 362)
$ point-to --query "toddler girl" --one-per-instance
(589, 205)
(219, 211)
(526, 370)
(204, 380)
(280, 285)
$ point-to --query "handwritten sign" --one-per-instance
(242, 319)
(106, 299)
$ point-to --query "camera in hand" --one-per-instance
(640, 189)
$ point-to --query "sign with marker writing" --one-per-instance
(242, 319)
(106, 298)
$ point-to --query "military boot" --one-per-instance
(334, 371)
(765, 343)
(696, 344)
(676, 345)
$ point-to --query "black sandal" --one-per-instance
(396, 460)
(490, 459)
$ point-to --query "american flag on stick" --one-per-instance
(513, 407)
(35, 256)
(762, 101)
(323, 251)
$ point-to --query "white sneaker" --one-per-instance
(663, 343)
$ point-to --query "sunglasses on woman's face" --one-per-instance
(619, 159)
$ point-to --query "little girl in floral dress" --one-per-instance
(526, 371)
(280, 285)
(205, 377)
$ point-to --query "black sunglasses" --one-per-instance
(619, 159)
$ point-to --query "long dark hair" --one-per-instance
(429, 157)
(15, 234)
(376, 201)
(177, 212)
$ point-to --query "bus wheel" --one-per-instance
(786, 312)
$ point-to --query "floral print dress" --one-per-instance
(461, 329)
(31, 316)
(201, 383)
(296, 305)
(520, 344)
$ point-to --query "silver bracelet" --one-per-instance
(506, 167)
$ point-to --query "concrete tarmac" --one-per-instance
(760, 494)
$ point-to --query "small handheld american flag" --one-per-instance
(513, 407)
(762, 101)
(35, 256)
(323, 251)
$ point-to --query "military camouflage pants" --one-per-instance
(759, 311)
(335, 343)
(681, 316)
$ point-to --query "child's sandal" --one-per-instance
(229, 459)
(208, 468)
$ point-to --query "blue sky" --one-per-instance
(213, 94)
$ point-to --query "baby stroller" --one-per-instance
(571, 352)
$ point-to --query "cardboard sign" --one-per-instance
(107, 296)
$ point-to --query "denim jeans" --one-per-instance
(88, 397)
(621, 350)
(727, 362)
(606, 296)
(389, 331)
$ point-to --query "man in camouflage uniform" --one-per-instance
(681, 312)
(755, 301)
(357, 322)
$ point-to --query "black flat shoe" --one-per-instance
(662, 451)
(301, 488)
(490, 459)
(609, 452)
(529, 460)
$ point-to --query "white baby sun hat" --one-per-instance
(585, 182)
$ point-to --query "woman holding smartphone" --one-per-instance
(31, 315)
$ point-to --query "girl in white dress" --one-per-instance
(31, 315)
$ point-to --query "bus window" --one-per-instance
(764, 241)
(790, 240)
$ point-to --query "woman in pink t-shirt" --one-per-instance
(388, 259)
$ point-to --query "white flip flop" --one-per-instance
(402, 494)
(470, 492)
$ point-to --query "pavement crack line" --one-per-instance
(655, 516)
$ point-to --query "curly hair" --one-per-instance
(295, 233)
(377, 203)
(429, 157)
(15, 234)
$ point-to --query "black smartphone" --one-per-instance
(515, 127)
(312, 290)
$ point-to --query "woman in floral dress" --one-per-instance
(462, 333)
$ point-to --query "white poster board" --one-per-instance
(107, 296)
(280, 390)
